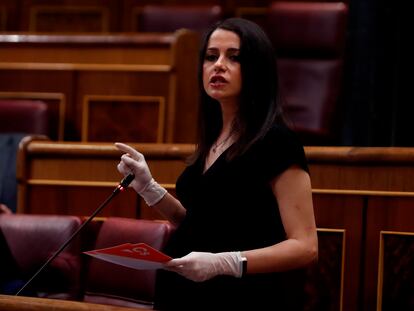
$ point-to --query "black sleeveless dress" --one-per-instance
(231, 207)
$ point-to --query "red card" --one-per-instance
(137, 256)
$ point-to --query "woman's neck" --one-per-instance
(228, 112)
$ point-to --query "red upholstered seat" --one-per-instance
(309, 40)
(108, 283)
(24, 116)
(168, 18)
(27, 241)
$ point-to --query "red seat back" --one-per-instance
(309, 40)
(108, 283)
(30, 240)
(168, 18)
(24, 116)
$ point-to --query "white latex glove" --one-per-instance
(134, 162)
(199, 266)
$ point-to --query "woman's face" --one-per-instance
(222, 78)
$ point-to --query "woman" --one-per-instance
(244, 214)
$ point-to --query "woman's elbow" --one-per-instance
(309, 251)
(312, 252)
(313, 255)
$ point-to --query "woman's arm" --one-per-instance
(154, 195)
(293, 192)
(294, 196)
(171, 209)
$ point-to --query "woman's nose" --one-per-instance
(219, 65)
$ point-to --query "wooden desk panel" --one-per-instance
(341, 212)
(75, 178)
(84, 66)
(368, 170)
(13, 303)
(90, 49)
(365, 191)
(389, 216)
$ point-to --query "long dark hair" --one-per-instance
(259, 108)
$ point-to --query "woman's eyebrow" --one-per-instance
(213, 49)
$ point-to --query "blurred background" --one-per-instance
(369, 98)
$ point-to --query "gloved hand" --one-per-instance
(143, 183)
(200, 266)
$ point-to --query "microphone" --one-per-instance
(124, 183)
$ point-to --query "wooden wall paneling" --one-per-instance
(396, 271)
(387, 213)
(106, 118)
(56, 104)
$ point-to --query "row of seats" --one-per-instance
(109, 15)
(27, 241)
(309, 39)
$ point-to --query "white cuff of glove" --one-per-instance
(152, 193)
(235, 263)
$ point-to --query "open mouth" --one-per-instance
(217, 80)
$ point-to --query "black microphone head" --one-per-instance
(127, 180)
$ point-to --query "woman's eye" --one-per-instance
(210, 57)
(234, 58)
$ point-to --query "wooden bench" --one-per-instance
(369, 193)
(74, 178)
(131, 87)
(363, 199)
